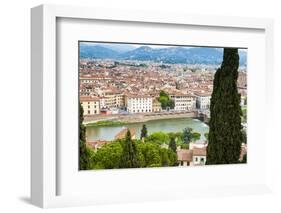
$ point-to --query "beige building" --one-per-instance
(138, 103)
(156, 106)
(112, 99)
(91, 105)
(120, 100)
(184, 157)
(183, 102)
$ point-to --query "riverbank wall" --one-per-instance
(140, 117)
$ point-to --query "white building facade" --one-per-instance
(138, 104)
(184, 102)
(203, 100)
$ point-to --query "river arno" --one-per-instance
(169, 125)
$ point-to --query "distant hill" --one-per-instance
(89, 51)
(172, 55)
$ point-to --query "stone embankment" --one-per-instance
(140, 117)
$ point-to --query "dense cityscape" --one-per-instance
(123, 92)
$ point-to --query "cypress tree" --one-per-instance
(225, 136)
(84, 158)
(143, 132)
(173, 145)
(129, 156)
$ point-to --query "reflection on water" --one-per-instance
(169, 125)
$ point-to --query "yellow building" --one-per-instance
(156, 106)
(112, 99)
(91, 105)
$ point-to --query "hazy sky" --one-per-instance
(139, 45)
(134, 45)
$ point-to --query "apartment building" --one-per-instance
(183, 102)
(112, 99)
(138, 103)
(203, 100)
(91, 105)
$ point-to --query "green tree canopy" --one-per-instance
(196, 136)
(165, 101)
(158, 138)
(108, 156)
(155, 156)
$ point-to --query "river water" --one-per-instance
(170, 125)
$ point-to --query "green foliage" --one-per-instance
(168, 157)
(158, 138)
(85, 156)
(129, 156)
(143, 132)
(165, 161)
(82, 128)
(150, 152)
(225, 136)
(165, 101)
(196, 136)
(185, 146)
(187, 135)
(116, 155)
(173, 145)
(244, 136)
(244, 115)
(106, 123)
(178, 137)
(206, 135)
(173, 158)
(155, 156)
(108, 156)
(85, 153)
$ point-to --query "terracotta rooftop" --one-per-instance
(199, 151)
(185, 155)
(203, 94)
(88, 98)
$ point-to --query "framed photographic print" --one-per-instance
(134, 106)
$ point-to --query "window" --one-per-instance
(89, 112)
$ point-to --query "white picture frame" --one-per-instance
(44, 83)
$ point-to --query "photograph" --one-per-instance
(145, 105)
